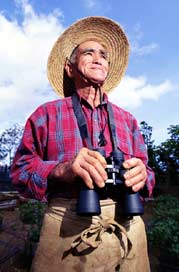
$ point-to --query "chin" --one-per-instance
(98, 79)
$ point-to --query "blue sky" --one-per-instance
(149, 90)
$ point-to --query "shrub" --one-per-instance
(32, 213)
(164, 228)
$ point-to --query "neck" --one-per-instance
(91, 95)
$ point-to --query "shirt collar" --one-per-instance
(84, 102)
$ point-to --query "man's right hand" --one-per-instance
(87, 164)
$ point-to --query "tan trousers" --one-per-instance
(69, 242)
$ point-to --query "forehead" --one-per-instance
(92, 44)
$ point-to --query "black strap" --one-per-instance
(81, 119)
(82, 122)
(112, 126)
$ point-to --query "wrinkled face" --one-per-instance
(92, 60)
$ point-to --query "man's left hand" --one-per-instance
(136, 174)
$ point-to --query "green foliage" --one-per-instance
(146, 131)
(164, 229)
(34, 233)
(164, 158)
(32, 213)
(167, 207)
(168, 156)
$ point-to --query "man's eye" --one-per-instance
(88, 53)
(104, 56)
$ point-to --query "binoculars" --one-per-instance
(89, 199)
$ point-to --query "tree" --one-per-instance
(146, 131)
(3, 152)
(153, 153)
(173, 131)
(169, 156)
(164, 158)
(9, 140)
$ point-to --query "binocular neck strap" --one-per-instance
(112, 126)
(81, 120)
(83, 126)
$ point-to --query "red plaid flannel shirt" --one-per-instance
(52, 135)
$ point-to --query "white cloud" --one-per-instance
(133, 91)
(143, 50)
(90, 3)
(136, 41)
(23, 52)
(97, 6)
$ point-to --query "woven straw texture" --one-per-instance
(102, 29)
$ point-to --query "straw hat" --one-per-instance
(104, 30)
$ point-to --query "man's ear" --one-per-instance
(69, 69)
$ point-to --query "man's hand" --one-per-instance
(88, 164)
(136, 174)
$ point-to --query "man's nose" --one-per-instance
(97, 57)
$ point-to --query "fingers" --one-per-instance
(90, 166)
(136, 174)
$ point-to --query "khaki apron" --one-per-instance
(69, 242)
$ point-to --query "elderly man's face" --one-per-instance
(92, 60)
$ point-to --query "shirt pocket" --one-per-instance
(126, 149)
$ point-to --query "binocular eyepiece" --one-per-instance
(89, 199)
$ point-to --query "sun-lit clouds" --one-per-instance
(132, 92)
(24, 51)
(136, 43)
(143, 50)
(97, 7)
(90, 3)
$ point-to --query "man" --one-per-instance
(59, 152)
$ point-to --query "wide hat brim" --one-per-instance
(104, 30)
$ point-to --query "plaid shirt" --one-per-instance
(52, 135)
